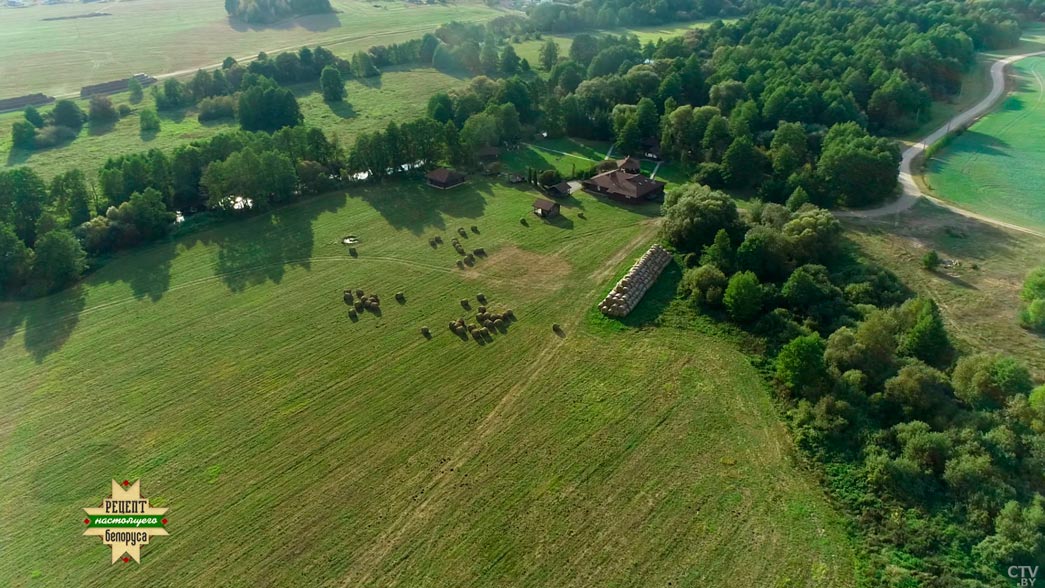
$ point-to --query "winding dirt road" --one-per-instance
(910, 190)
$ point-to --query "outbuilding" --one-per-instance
(444, 178)
(545, 208)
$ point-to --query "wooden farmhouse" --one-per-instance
(444, 178)
(625, 187)
(545, 208)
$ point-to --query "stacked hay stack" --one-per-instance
(626, 295)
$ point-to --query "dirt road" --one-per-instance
(910, 190)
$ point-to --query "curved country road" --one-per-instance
(911, 192)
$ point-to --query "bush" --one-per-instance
(124, 110)
(216, 108)
(931, 260)
(149, 121)
(102, 111)
(52, 136)
(1033, 317)
(743, 297)
(705, 284)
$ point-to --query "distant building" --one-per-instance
(545, 208)
(625, 187)
(444, 178)
(560, 190)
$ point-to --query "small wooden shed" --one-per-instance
(545, 208)
(444, 178)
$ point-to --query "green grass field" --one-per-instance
(400, 94)
(296, 447)
(978, 286)
(995, 167)
(165, 36)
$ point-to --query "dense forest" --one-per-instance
(938, 456)
(270, 11)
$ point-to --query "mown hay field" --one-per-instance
(997, 167)
(165, 36)
(294, 446)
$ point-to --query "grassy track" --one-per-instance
(295, 447)
(995, 168)
(160, 36)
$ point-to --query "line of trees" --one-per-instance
(270, 11)
(939, 456)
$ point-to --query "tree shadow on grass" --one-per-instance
(343, 109)
(976, 142)
(260, 249)
(50, 321)
(146, 269)
(410, 204)
(95, 129)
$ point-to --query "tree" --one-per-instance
(740, 164)
(706, 284)
(509, 65)
(136, 91)
(68, 114)
(629, 139)
(264, 106)
(1034, 285)
(1033, 316)
(647, 119)
(800, 366)
(22, 198)
(149, 121)
(857, 168)
(1019, 534)
(720, 253)
(59, 261)
(931, 260)
(986, 381)
(33, 116)
(441, 107)
(101, 111)
(693, 214)
(919, 392)
(549, 54)
(927, 340)
(23, 135)
(15, 260)
(332, 84)
(743, 297)
(583, 49)
(797, 199)
(69, 192)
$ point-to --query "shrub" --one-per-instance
(705, 283)
(124, 110)
(149, 121)
(1033, 317)
(51, 136)
(743, 296)
(931, 260)
(216, 108)
(101, 111)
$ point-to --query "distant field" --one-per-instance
(162, 36)
(295, 447)
(397, 96)
(997, 167)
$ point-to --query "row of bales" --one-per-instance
(626, 295)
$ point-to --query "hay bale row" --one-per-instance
(457, 247)
(462, 232)
(626, 295)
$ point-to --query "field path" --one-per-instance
(910, 190)
(368, 564)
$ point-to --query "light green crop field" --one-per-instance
(997, 167)
(294, 446)
(166, 36)
(400, 94)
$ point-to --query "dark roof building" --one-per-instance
(444, 178)
(625, 187)
(630, 165)
(545, 208)
(488, 153)
(559, 190)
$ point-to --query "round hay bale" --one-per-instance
(556, 327)
(465, 304)
(488, 324)
(359, 306)
(453, 325)
(484, 332)
(460, 264)
(482, 308)
(475, 229)
(400, 297)
(481, 297)
(352, 251)
(348, 298)
(425, 331)
(352, 314)
(469, 259)
(359, 293)
(498, 323)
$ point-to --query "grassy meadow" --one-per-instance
(163, 36)
(995, 167)
(978, 285)
(294, 446)
(400, 94)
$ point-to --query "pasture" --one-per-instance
(166, 36)
(295, 446)
(978, 285)
(400, 94)
(995, 167)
